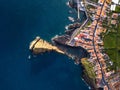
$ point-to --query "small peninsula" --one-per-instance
(92, 43)
(40, 46)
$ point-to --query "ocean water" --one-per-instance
(20, 22)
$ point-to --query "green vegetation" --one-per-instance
(112, 45)
(118, 28)
(112, 54)
(105, 23)
(110, 40)
(88, 23)
(118, 42)
(90, 6)
(89, 69)
(117, 9)
(95, 1)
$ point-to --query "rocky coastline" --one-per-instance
(76, 53)
(59, 42)
(65, 44)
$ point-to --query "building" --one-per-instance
(115, 15)
(115, 1)
(113, 22)
(114, 6)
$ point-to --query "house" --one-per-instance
(115, 1)
(113, 22)
(114, 5)
(115, 15)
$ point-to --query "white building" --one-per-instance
(114, 6)
(115, 1)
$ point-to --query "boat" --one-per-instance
(29, 57)
(71, 19)
(70, 11)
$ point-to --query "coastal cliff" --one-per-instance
(39, 45)
(78, 54)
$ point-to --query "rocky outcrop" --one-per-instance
(40, 46)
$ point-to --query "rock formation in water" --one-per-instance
(40, 46)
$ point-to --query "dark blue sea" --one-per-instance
(20, 22)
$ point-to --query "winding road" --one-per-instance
(103, 78)
(100, 8)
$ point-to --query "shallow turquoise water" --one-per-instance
(20, 22)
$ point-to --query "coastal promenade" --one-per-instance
(77, 31)
(83, 24)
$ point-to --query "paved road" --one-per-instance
(103, 78)
(79, 29)
(94, 36)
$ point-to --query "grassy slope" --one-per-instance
(89, 69)
(110, 40)
(112, 46)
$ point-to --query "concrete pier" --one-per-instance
(39, 45)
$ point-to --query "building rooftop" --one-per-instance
(113, 7)
(113, 22)
(115, 1)
(115, 15)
